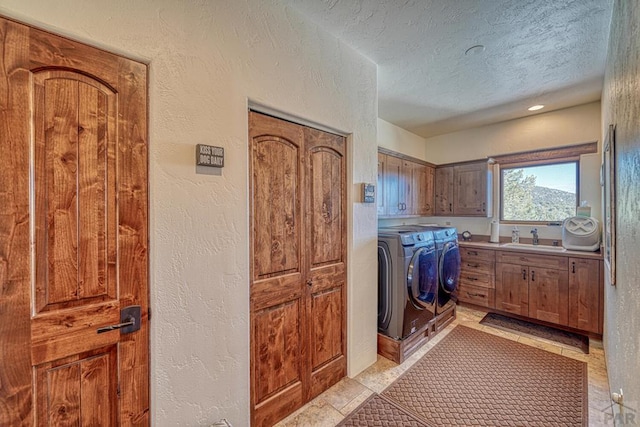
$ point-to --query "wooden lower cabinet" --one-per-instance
(477, 295)
(477, 273)
(298, 271)
(548, 295)
(566, 291)
(585, 294)
(512, 288)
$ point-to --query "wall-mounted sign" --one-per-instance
(368, 193)
(208, 155)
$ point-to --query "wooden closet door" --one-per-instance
(278, 290)
(297, 289)
(73, 240)
(325, 217)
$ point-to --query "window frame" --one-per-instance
(548, 162)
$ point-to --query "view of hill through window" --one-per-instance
(539, 193)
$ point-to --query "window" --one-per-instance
(539, 193)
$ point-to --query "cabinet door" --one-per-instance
(380, 197)
(277, 289)
(444, 191)
(325, 248)
(470, 191)
(548, 295)
(408, 187)
(394, 183)
(584, 294)
(512, 288)
(423, 195)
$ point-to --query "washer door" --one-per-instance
(422, 278)
(449, 267)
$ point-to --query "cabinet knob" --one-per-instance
(533, 275)
(573, 267)
(524, 274)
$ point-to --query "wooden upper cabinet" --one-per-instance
(464, 190)
(405, 187)
(394, 186)
(470, 189)
(444, 191)
(422, 196)
(585, 289)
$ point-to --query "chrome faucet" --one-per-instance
(535, 236)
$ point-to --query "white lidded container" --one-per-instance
(581, 233)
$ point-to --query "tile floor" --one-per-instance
(332, 406)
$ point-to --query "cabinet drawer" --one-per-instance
(475, 278)
(477, 254)
(477, 295)
(524, 258)
(477, 266)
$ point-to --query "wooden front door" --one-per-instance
(73, 233)
(298, 273)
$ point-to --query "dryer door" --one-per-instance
(422, 278)
(449, 268)
(385, 296)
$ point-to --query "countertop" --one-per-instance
(501, 247)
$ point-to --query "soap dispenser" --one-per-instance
(515, 235)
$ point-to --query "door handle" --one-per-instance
(573, 267)
(450, 207)
(129, 321)
(533, 275)
(524, 274)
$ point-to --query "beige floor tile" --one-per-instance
(357, 401)
(499, 332)
(317, 413)
(540, 344)
(343, 392)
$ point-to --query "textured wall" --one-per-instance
(208, 59)
(621, 106)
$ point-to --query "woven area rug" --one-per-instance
(475, 378)
(563, 338)
(379, 411)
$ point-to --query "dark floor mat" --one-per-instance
(378, 411)
(475, 378)
(564, 338)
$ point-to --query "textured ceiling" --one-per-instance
(549, 52)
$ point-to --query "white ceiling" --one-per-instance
(549, 52)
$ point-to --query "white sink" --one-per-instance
(536, 248)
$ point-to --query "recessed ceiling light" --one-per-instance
(474, 50)
(536, 107)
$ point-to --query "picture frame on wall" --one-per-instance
(608, 180)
